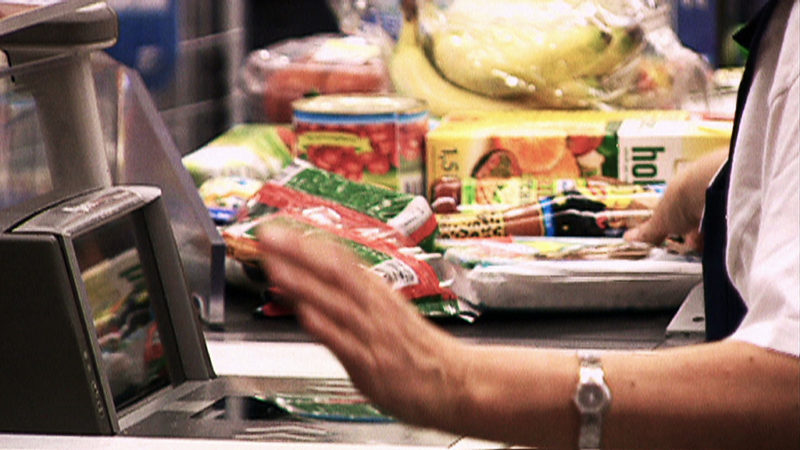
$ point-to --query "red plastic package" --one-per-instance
(274, 77)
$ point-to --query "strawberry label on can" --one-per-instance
(372, 138)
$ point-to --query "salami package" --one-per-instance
(588, 212)
(408, 214)
(366, 219)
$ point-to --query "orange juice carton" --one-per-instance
(546, 145)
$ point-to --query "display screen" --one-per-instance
(133, 357)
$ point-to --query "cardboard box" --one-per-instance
(548, 145)
(653, 151)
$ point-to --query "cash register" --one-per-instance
(99, 335)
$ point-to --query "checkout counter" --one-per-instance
(116, 327)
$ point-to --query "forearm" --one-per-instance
(722, 395)
(520, 395)
(716, 395)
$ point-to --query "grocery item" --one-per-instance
(507, 48)
(489, 251)
(568, 274)
(413, 74)
(654, 151)
(543, 54)
(407, 214)
(224, 196)
(384, 228)
(373, 138)
(289, 70)
(454, 194)
(570, 213)
(254, 151)
(336, 407)
(414, 278)
(543, 144)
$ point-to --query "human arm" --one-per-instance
(680, 210)
(723, 394)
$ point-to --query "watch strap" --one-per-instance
(591, 429)
(591, 378)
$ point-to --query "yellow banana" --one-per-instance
(503, 59)
(578, 93)
(413, 75)
(626, 43)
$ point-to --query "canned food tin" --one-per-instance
(378, 139)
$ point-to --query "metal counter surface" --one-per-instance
(41, 442)
(252, 346)
(621, 329)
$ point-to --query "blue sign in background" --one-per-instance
(148, 38)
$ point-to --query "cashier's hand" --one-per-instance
(672, 225)
(676, 218)
(394, 356)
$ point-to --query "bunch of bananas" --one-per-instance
(510, 54)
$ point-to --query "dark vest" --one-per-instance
(724, 306)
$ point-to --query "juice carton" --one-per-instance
(653, 151)
(543, 144)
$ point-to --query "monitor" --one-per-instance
(131, 351)
(95, 313)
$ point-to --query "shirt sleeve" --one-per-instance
(772, 290)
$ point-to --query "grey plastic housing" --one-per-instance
(52, 379)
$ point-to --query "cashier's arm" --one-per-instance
(722, 395)
(726, 394)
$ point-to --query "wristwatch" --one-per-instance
(592, 397)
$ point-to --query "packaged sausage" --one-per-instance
(407, 214)
(452, 194)
(579, 212)
(383, 227)
(414, 278)
(274, 77)
(381, 250)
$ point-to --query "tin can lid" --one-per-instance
(360, 104)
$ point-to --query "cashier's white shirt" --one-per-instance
(763, 253)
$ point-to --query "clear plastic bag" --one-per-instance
(542, 54)
(273, 77)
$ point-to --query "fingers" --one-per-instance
(378, 335)
(308, 262)
(651, 231)
(315, 271)
(689, 243)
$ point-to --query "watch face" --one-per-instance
(591, 397)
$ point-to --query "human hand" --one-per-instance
(394, 356)
(676, 218)
(673, 224)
